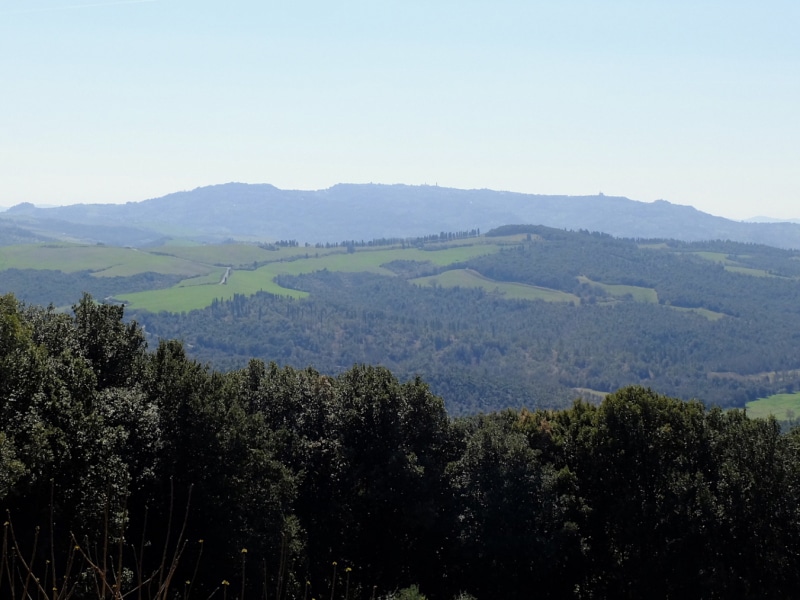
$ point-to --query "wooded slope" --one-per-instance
(362, 483)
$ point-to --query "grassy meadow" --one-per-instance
(468, 278)
(703, 312)
(254, 267)
(639, 294)
(784, 407)
(199, 292)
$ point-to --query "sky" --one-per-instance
(695, 102)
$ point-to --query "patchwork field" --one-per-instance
(196, 293)
(703, 312)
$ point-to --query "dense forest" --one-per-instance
(717, 323)
(133, 470)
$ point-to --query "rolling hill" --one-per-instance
(519, 316)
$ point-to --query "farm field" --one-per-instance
(233, 255)
(102, 261)
(703, 312)
(733, 266)
(748, 271)
(469, 278)
(639, 294)
(784, 407)
(188, 295)
(254, 266)
(717, 257)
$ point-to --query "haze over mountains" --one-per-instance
(366, 211)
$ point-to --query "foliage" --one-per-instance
(282, 473)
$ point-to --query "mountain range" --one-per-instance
(262, 212)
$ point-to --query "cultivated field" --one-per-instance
(102, 261)
(639, 294)
(468, 278)
(196, 293)
(784, 407)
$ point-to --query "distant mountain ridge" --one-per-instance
(765, 219)
(365, 211)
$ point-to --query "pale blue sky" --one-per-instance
(695, 102)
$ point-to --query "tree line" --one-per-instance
(298, 484)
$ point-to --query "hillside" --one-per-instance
(520, 316)
(122, 467)
(354, 212)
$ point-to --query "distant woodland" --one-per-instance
(144, 472)
(553, 315)
(715, 321)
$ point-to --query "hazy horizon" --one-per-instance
(754, 217)
(124, 100)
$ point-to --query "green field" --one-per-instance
(235, 255)
(731, 265)
(196, 293)
(748, 271)
(784, 407)
(512, 291)
(639, 294)
(254, 267)
(717, 257)
(703, 312)
(103, 261)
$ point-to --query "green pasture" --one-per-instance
(639, 294)
(235, 255)
(103, 261)
(513, 291)
(748, 271)
(516, 238)
(784, 407)
(717, 257)
(188, 295)
(732, 266)
(63, 257)
(703, 312)
(152, 263)
(590, 394)
(212, 278)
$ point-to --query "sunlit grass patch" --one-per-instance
(703, 312)
(103, 261)
(639, 294)
(749, 271)
(512, 291)
(184, 298)
(236, 255)
(784, 407)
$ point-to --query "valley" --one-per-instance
(522, 316)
